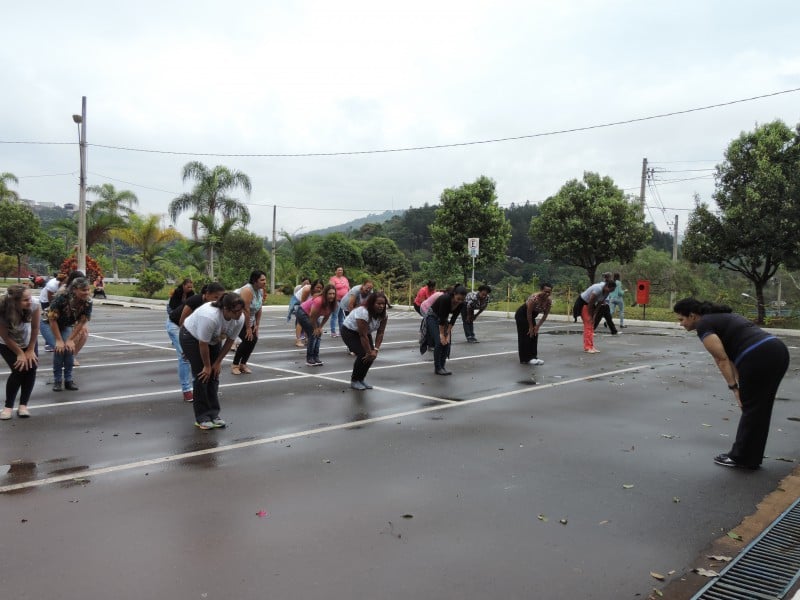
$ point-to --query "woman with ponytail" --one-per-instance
(752, 363)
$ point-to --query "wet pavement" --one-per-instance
(575, 479)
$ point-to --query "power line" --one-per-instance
(434, 146)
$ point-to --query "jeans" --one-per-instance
(440, 352)
(184, 369)
(63, 361)
(312, 349)
(47, 333)
(469, 326)
(293, 304)
(337, 318)
(613, 303)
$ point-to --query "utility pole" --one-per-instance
(674, 257)
(272, 257)
(80, 120)
(644, 182)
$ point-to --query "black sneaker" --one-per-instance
(58, 386)
(70, 385)
(726, 461)
(423, 348)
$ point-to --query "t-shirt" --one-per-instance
(597, 290)
(474, 301)
(21, 334)
(355, 292)
(255, 302)
(208, 324)
(738, 335)
(323, 310)
(193, 302)
(442, 308)
(426, 305)
(342, 285)
(423, 294)
(67, 311)
(360, 313)
(51, 287)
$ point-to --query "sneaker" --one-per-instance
(726, 461)
(49, 348)
(318, 362)
(188, 396)
(58, 386)
(311, 363)
(204, 425)
(219, 423)
(22, 412)
(334, 334)
(365, 384)
(473, 340)
(536, 361)
(70, 385)
(356, 385)
(5, 414)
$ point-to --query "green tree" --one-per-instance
(381, 255)
(756, 191)
(50, 249)
(210, 198)
(589, 222)
(150, 281)
(7, 195)
(147, 237)
(19, 229)
(335, 250)
(116, 203)
(297, 251)
(7, 264)
(241, 252)
(470, 211)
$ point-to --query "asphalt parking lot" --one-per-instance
(575, 479)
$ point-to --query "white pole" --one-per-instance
(82, 198)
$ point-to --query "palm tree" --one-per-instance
(215, 236)
(146, 235)
(118, 204)
(5, 193)
(209, 198)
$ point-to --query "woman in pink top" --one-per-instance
(312, 316)
(423, 294)
(342, 285)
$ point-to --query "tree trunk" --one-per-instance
(760, 308)
(592, 273)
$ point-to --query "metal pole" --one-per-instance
(272, 258)
(674, 259)
(82, 198)
(473, 274)
(644, 181)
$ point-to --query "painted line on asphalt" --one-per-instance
(290, 436)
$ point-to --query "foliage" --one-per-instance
(520, 246)
(335, 250)
(6, 194)
(470, 211)
(147, 237)
(241, 252)
(381, 255)
(8, 264)
(19, 229)
(50, 249)
(757, 194)
(150, 281)
(93, 270)
(589, 222)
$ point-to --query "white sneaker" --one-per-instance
(536, 361)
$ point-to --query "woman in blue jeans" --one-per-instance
(179, 296)
(69, 314)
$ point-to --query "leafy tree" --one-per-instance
(336, 250)
(7, 264)
(470, 211)
(147, 237)
(209, 198)
(19, 229)
(757, 194)
(520, 246)
(240, 253)
(381, 255)
(117, 204)
(589, 222)
(49, 248)
(299, 252)
(150, 281)
(216, 234)
(7, 195)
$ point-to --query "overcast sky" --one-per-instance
(264, 77)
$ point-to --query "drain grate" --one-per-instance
(766, 569)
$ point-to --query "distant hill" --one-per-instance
(358, 223)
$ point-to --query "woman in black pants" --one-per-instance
(528, 328)
(751, 361)
(357, 331)
(201, 339)
(19, 325)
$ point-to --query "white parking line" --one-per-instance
(289, 436)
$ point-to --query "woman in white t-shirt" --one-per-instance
(357, 331)
(201, 338)
(20, 315)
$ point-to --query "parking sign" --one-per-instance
(473, 244)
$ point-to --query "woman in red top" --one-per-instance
(423, 294)
(342, 285)
(312, 316)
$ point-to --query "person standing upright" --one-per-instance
(342, 285)
(528, 328)
(615, 301)
(253, 294)
(182, 292)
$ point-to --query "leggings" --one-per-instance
(245, 348)
(17, 380)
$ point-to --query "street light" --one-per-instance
(80, 121)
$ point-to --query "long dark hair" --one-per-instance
(178, 291)
(212, 288)
(255, 276)
(333, 304)
(689, 306)
(10, 312)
